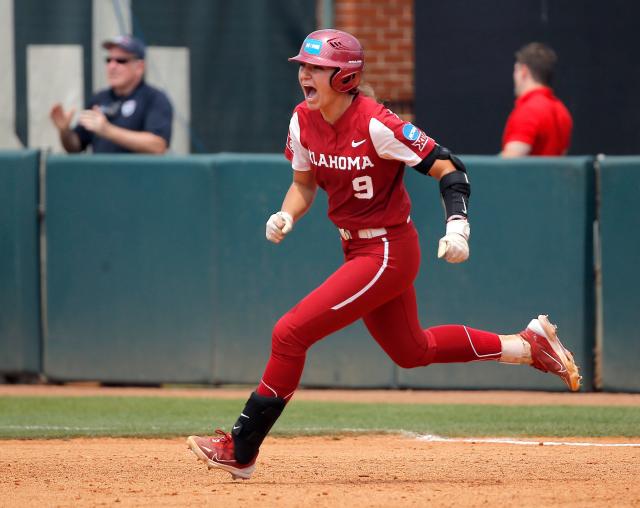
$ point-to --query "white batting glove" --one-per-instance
(453, 246)
(278, 225)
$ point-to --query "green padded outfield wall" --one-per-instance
(531, 253)
(620, 248)
(20, 351)
(130, 277)
(159, 270)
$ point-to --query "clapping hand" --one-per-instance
(93, 120)
(61, 119)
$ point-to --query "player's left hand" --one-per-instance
(454, 246)
(93, 120)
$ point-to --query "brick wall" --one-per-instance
(385, 29)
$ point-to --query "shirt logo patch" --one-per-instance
(356, 144)
(421, 142)
(312, 46)
(128, 107)
(411, 132)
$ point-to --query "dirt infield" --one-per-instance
(352, 471)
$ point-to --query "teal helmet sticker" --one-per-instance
(312, 46)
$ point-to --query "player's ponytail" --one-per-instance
(366, 90)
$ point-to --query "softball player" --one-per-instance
(356, 151)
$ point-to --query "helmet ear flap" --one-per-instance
(342, 80)
(333, 81)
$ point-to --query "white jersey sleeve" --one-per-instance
(294, 151)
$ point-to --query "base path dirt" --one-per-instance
(356, 472)
(353, 471)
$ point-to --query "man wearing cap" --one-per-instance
(130, 116)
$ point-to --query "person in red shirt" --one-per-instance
(356, 150)
(539, 124)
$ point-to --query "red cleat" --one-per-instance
(218, 452)
(548, 354)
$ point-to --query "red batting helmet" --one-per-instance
(334, 48)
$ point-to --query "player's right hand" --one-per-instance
(278, 225)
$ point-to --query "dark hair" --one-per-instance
(540, 59)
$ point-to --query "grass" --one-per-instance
(65, 417)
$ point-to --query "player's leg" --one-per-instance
(395, 327)
(537, 345)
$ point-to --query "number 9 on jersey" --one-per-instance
(363, 187)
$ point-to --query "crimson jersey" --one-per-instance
(359, 161)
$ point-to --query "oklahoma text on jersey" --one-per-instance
(340, 161)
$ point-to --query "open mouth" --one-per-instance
(309, 92)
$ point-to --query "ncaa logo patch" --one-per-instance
(411, 132)
(312, 46)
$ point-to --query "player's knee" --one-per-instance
(285, 340)
(415, 353)
(411, 359)
(408, 363)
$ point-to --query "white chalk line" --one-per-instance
(427, 437)
(438, 439)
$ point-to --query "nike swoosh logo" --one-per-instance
(562, 367)
(356, 144)
(205, 448)
(236, 427)
(464, 206)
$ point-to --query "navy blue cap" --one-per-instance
(128, 43)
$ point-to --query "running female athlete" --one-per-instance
(356, 151)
